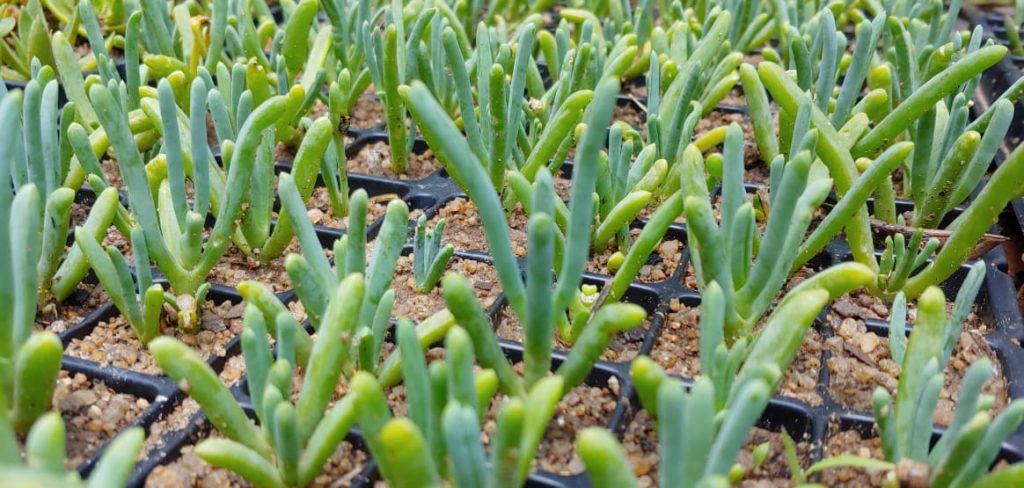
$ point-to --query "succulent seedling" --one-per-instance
(429, 257)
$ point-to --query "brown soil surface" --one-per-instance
(79, 214)
(775, 470)
(800, 380)
(861, 362)
(641, 444)
(465, 231)
(61, 317)
(168, 425)
(677, 350)
(113, 342)
(122, 243)
(211, 134)
(795, 279)
(634, 116)
(756, 170)
(851, 442)
(582, 407)
(677, 347)
(861, 305)
(624, 346)
(897, 183)
(93, 414)
(418, 306)
(342, 467)
(562, 184)
(113, 172)
(235, 267)
(368, 111)
(234, 369)
(375, 159)
(322, 213)
(666, 257)
(689, 278)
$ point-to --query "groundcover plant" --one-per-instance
(497, 243)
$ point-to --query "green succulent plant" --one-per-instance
(44, 456)
(430, 258)
(177, 245)
(24, 41)
(972, 440)
(949, 155)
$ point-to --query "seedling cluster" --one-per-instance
(437, 222)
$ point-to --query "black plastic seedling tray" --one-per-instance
(997, 303)
(801, 420)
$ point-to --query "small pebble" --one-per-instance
(868, 342)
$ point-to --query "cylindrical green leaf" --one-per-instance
(925, 96)
(240, 459)
(35, 377)
(329, 352)
(115, 466)
(184, 365)
(606, 462)
(402, 445)
(462, 436)
(458, 294)
(608, 321)
(44, 445)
